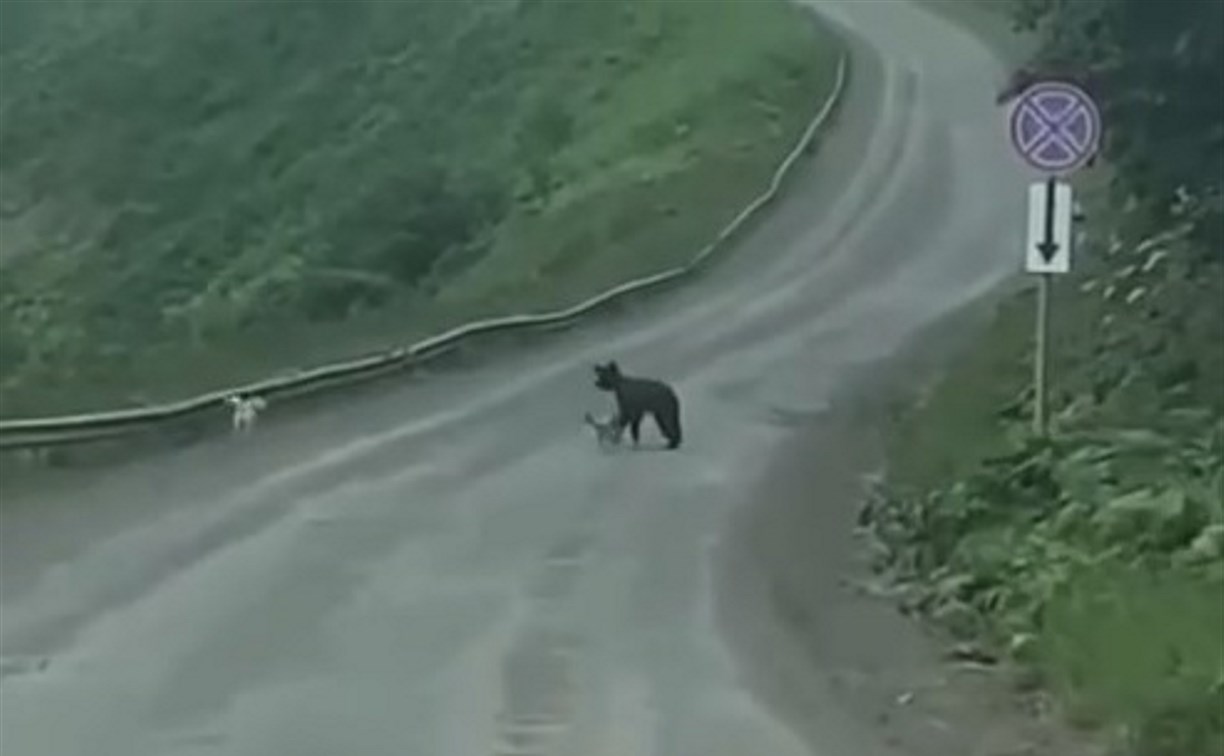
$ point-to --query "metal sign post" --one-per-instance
(1055, 127)
(1048, 252)
(1040, 371)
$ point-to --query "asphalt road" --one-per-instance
(451, 567)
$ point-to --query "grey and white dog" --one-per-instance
(244, 411)
(608, 429)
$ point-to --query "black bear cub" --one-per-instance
(637, 396)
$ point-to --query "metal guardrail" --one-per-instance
(69, 429)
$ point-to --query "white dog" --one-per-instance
(607, 430)
(245, 410)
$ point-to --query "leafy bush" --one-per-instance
(1095, 556)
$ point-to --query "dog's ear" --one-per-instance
(614, 367)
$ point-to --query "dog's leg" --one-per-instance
(635, 427)
(242, 420)
(668, 422)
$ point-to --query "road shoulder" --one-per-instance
(833, 655)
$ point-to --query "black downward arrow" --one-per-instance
(1048, 247)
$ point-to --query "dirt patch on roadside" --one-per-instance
(837, 660)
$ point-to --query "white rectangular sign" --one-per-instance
(1047, 248)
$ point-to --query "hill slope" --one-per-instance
(193, 194)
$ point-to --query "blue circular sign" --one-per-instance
(1056, 127)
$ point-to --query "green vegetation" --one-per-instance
(195, 194)
(1096, 557)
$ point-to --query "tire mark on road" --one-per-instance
(538, 679)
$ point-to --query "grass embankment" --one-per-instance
(194, 195)
(1095, 559)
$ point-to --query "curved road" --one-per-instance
(451, 567)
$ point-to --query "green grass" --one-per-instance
(956, 426)
(193, 196)
(1142, 649)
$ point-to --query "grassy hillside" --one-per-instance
(198, 193)
(1095, 558)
